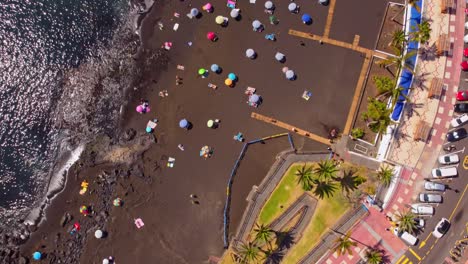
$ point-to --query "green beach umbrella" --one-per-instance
(201, 71)
(210, 123)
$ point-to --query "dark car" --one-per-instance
(456, 135)
(461, 108)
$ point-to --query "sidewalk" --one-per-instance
(415, 157)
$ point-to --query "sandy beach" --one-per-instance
(175, 230)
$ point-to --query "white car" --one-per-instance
(441, 228)
(422, 209)
(405, 236)
(419, 222)
(430, 198)
(449, 159)
(444, 172)
(460, 120)
(434, 186)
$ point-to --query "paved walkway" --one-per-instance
(416, 158)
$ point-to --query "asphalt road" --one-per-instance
(430, 249)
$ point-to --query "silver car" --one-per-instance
(430, 198)
(434, 186)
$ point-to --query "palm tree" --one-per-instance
(423, 32)
(263, 234)
(398, 39)
(326, 170)
(304, 175)
(374, 256)
(377, 116)
(384, 84)
(324, 188)
(400, 60)
(247, 253)
(406, 222)
(344, 244)
(385, 175)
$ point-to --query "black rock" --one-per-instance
(129, 134)
(32, 228)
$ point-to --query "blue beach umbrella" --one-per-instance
(37, 255)
(307, 19)
(183, 123)
(194, 12)
(215, 68)
(149, 130)
(232, 76)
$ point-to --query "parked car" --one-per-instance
(456, 135)
(459, 120)
(434, 186)
(462, 95)
(444, 172)
(441, 228)
(419, 222)
(430, 198)
(449, 159)
(405, 236)
(460, 108)
(422, 209)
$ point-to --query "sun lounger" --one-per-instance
(250, 90)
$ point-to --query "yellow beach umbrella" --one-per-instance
(219, 20)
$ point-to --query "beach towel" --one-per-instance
(139, 223)
(231, 3)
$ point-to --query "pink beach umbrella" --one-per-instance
(211, 36)
(465, 52)
(140, 109)
(208, 7)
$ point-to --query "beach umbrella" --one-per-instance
(323, 2)
(139, 109)
(306, 19)
(210, 123)
(464, 65)
(465, 39)
(285, 69)
(219, 20)
(183, 123)
(117, 202)
(228, 82)
(83, 209)
(256, 24)
(98, 234)
(201, 71)
(466, 25)
(232, 76)
(105, 261)
(292, 7)
(234, 13)
(465, 52)
(37, 255)
(250, 53)
(279, 56)
(289, 74)
(269, 5)
(208, 7)
(211, 36)
(194, 12)
(215, 68)
(254, 99)
(149, 130)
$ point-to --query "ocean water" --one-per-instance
(61, 67)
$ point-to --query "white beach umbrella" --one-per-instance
(250, 53)
(290, 74)
(234, 13)
(256, 24)
(292, 7)
(465, 38)
(268, 5)
(98, 234)
(323, 2)
(466, 25)
(279, 56)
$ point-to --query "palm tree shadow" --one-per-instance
(285, 240)
(428, 52)
(349, 182)
(275, 257)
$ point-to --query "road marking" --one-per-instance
(357, 94)
(289, 127)
(406, 260)
(331, 10)
(465, 162)
(458, 203)
(423, 243)
(399, 260)
(414, 253)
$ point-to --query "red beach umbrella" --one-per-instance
(465, 52)
(464, 65)
(211, 36)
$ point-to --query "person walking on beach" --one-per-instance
(178, 80)
(194, 199)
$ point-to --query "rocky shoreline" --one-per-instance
(115, 157)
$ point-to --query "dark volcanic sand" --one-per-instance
(176, 231)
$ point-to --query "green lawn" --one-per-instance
(284, 195)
